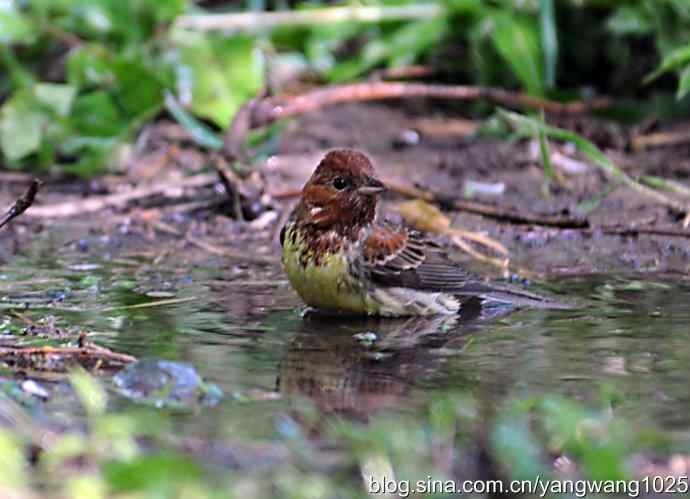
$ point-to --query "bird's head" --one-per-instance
(342, 192)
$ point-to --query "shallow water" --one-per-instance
(242, 329)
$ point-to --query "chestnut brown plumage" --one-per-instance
(340, 257)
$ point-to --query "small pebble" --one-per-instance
(367, 338)
(33, 388)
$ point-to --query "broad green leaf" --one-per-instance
(139, 90)
(89, 65)
(225, 73)
(158, 472)
(58, 97)
(516, 40)
(14, 27)
(96, 114)
(21, 126)
(402, 47)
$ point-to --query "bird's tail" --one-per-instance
(513, 296)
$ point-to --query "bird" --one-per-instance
(340, 257)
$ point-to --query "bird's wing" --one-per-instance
(399, 258)
(392, 257)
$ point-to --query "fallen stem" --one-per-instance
(120, 199)
(264, 111)
(594, 154)
(504, 214)
(22, 204)
(257, 21)
(40, 357)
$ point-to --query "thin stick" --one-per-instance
(640, 142)
(22, 357)
(271, 109)
(120, 199)
(257, 21)
(498, 213)
(23, 203)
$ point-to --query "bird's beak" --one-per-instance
(373, 186)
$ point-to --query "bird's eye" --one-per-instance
(340, 183)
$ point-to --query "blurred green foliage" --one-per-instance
(84, 76)
(81, 77)
(118, 452)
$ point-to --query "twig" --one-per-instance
(635, 231)
(98, 203)
(23, 203)
(256, 21)
(401, 73)
(640, 142)
(58, 358)
(231, 182)
(489, 211)
(264, 111)
(272, 108)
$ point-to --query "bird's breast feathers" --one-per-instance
(331, 281)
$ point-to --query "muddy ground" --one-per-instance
(412, 144)
(167, 211)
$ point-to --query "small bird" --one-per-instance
(340, 257)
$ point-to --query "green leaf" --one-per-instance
(400, 48)
(684, 83)
(91, 394)
(549, 40)
(96, 114)
(158, 472)
(516, 40)
(531, 126)
(629, 20)
(544, 150)
(199, 132)
(55, 96)
(21, 126)
(89, 65)
(674, 60)
(12, 462)
(225, 73)
(139, 90)
(14, 27)
(514, 446)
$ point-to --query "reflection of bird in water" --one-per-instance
(337, 363)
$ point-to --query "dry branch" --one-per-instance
(264, 111)
(118, 200)
(60, 359)
(23, 203)
(257, 21)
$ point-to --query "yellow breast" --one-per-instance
(326, 284)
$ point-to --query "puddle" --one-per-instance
(241, 329)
